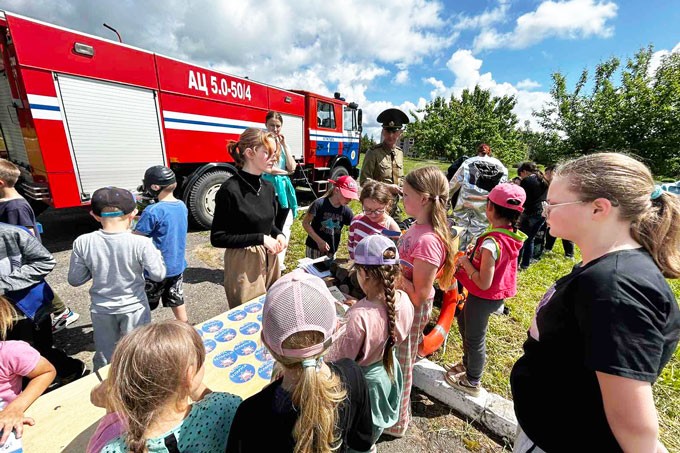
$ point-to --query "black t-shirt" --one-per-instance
(536, 191)
(245, 208)
(19, 212)
(328, 222)
(265, 421)
(616, 315)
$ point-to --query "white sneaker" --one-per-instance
(63, 319)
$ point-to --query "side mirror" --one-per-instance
(359, 117)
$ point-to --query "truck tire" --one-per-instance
(202, 197)
(338, 171)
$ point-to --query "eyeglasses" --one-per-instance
(374, 211)
(547, 207)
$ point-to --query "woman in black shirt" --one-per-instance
(245, 209)
(602, 334)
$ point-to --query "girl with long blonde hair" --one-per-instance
(312, 406)
(426, 252)
(155, 371)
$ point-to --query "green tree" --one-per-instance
(634, 108)
(366, 143)
(454, 127)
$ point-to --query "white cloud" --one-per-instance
(527, 84)
(657, 56)
(341, 46)
(466, 74)
(401, 77)
(569, 19)
(486, 19)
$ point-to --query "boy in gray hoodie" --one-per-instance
(115, 260)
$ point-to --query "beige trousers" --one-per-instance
(248, 272)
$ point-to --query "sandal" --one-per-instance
(462, 383)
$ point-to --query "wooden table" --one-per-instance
(235, 362)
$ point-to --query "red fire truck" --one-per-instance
(78, 112)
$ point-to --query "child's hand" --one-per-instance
(464, 261)
(13, 420)
(323, 246)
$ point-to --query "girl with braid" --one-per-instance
(376, 325)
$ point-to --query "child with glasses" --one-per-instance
(376, 200)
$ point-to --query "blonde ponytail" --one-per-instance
(316, 396)
(432, 182)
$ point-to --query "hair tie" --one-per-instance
(436, 198)
(656, 193)
(313, 363)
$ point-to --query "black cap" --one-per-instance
(113, 197)
(393, 119)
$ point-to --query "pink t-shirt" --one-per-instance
(17, 359)
(366, 333)
(421, 242)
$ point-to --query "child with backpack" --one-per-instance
(425, 251)
(376, 201)
(490, 276)
(311, 405)
(154, 372)
(326, 217)
(376, 325)
(18, 361)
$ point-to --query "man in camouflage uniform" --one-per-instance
(385, 162)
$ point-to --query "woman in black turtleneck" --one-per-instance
(245, 209)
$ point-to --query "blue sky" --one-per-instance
(384, 53)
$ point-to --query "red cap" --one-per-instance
(348, 187)
(508, 195)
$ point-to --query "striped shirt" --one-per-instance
(361, 227)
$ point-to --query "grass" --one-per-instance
(507, 333)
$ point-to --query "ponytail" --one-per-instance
(628, 184)
(662, 220)
(432, 182)
(316, 398)
(7, 316)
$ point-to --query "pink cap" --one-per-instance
(299, 302)
(348, 187)
(508, 195)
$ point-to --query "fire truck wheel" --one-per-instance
(202, 197)
(338, 171)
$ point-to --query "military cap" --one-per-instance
(392, 119)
